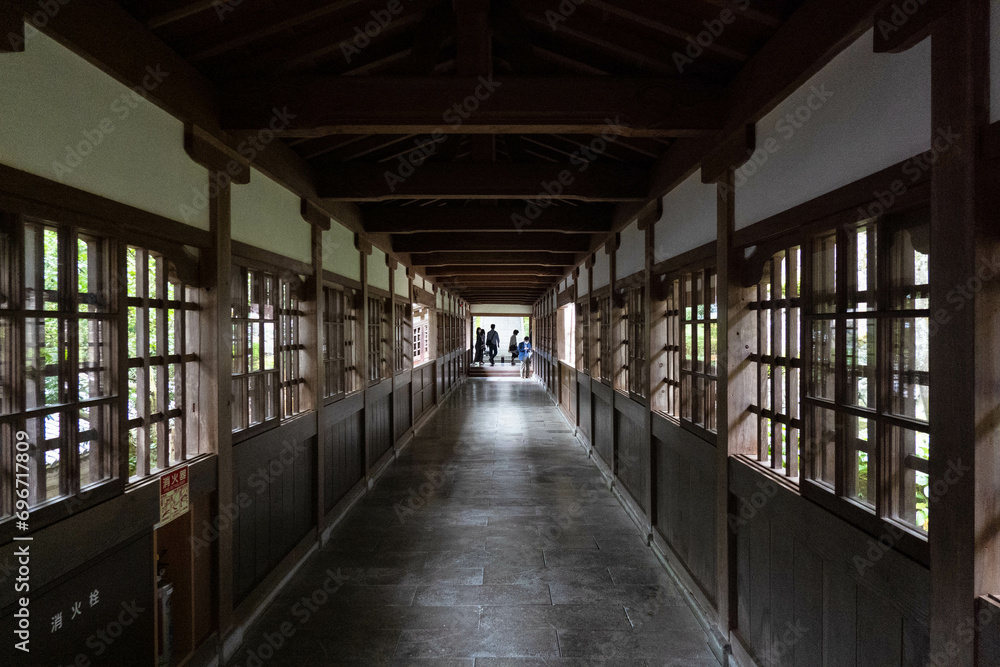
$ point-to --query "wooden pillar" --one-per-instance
(648, 226)
(365, 249)
(319, 375)
(217, 369)
(963, 345)
(735, 391)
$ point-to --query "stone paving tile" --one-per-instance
(491, 542)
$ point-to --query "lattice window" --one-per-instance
(402, 334)
(777, 404)
(583, 336)
(378, 341)
(638, 366)
(57, 372)
(336, 340)
(699, 360)
(666, 334)
(867, 390)
(160, 315)
(605, 343)
(290, 347)
(255, 347)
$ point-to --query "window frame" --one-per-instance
(241, 269)
(881, 518)
(669, 304)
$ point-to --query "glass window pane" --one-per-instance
(862, 474)
(911, 450)
(42, 338)
(822, 379)
(909, 390)
(824, 274)
(46, 458)
(821, 454)
(861, 278)
(94, 438)
(861, 345)
(95, 359)
(7, 398)
(910, 268)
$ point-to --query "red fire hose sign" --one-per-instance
(174, 499)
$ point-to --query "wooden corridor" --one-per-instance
(492, 541)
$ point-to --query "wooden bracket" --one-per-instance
(201, 148)
(897, 29)
(732, 154)
(613, 243)
(589, 263)
(314, 215)
(391, 262)
(650, 214)
(362, 244)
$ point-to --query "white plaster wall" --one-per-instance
(499, 309)
(54, 105)
(418, 281)
(378, 272)
(402, 281)
(266, 215)
(439, 300)
(602, 269)
(877, 113)
(340, 255)
(631, 255)
(584, 280)
(688, 220)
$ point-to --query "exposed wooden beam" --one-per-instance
(490, 242)
(11, 30)
(476, 270)
(898, 27)
(492, 258)
(384, 182)
(594, 218)
(272, 27)
(181, 13)
(321, 105)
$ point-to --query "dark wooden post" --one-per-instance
(963, 352)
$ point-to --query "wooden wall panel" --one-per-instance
(584, 403)
(604, 426)
(379, 425)
(802, 598)
(402, 403)
(274, 480)
(631, 454)
(685, 498)
(343, 439)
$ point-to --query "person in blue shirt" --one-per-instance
(524, 354)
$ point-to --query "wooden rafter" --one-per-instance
(588, 219)
(489, 242)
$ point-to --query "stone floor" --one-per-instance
(491, 542)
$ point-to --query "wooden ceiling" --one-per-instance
(448, 119)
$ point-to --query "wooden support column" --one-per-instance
(216, 371)
(963, 345)
(735, 392)
(362, 334)
(647, 224)
(319, 376)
